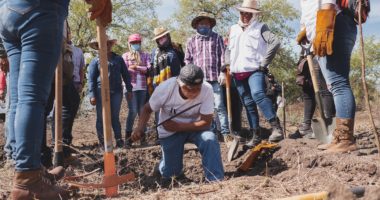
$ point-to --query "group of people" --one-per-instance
(184, 89)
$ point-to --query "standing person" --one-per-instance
(171, 97)
(206, 50)
(117, 72)
(138, 63)
(73, 64)
(253, 48)
(32, 36)
(333, 33)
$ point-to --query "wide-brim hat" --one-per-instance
(159, 32)
(249, 6)
(203, 15)
(94, 43)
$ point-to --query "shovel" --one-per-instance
(322, 127)
(233, 146)
(58, 152)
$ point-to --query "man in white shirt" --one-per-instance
(172, 97)
(333, 33)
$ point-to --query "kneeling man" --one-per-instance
(174, 96)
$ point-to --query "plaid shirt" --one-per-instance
(138, 76)
(206, 52)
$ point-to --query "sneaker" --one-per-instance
(306, 131)
(228, 138)
(277, 133)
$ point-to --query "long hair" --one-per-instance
(135, 55)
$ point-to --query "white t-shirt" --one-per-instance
(167, 99)
(309, 15)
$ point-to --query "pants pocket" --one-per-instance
(22, 6)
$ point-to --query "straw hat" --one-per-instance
(94, 43)
(159, 32)
(249, 6)
(203, 15)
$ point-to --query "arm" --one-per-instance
(93, 74)
(188, 54)
(203, 124)
(143, 120)
(221, 50)
(273, 45)
(125, 75)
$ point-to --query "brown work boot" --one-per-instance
(55, 174)
(33, 185)
(343, 140)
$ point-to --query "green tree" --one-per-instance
(372, 54)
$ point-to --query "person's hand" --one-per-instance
(129, 96)
(4, 64)
(171, 126)
(301, 37)
(323, 42)
(136, 135)
(222, 78)
(133, 67)
(101, 9)
(93, 101)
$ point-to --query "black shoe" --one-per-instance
(119, 143)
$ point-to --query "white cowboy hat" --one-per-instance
(249, 6)
(159, 32)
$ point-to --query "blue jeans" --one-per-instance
(220, 107)
(135, 106)
(172, 149)
(336, 68)
(116, 99)
(32, 35)
(70, 105)
(252, 93)
(9, 147)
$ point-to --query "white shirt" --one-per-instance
(167, 99)
(247, 48)
(309, 10)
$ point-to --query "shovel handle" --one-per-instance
(58, 152)
(228, 97)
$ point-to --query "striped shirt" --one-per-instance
(206, 52)
(138, 75)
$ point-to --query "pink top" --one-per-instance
(138, 75)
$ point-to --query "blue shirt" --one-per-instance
(116, 71)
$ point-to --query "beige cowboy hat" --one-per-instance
(249, 6)
(203, 15)
(159, 32)
(94, 43)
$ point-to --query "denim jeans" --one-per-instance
(135, 106)
(9, 147)
(336, 67)
(172, 149)
(237, 107)
(219, 107)
(32, 35)
(116, 99)
(70, 105)
(252, 93)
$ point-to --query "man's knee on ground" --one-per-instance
(209, 136)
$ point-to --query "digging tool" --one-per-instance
(254, 153)
(357, 191)
(58, 150)
(364, 81)
(322, 128)
(175, 115)
(110, 180)
(232, 146)
(283, 107)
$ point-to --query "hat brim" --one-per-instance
(249, 10)
(95, 45)
(195, 21)
(162, 34)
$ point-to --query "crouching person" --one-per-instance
(193, 98)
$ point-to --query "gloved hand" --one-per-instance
(323, 42)
(222, 78)
(301, 37)
(101, 9)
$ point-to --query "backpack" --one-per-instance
(351, 7)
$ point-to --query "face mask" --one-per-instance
(136, 47)
(203, 30)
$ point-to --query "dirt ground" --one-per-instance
(297, 167)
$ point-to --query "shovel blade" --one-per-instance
(233, 146)
(323, 134)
